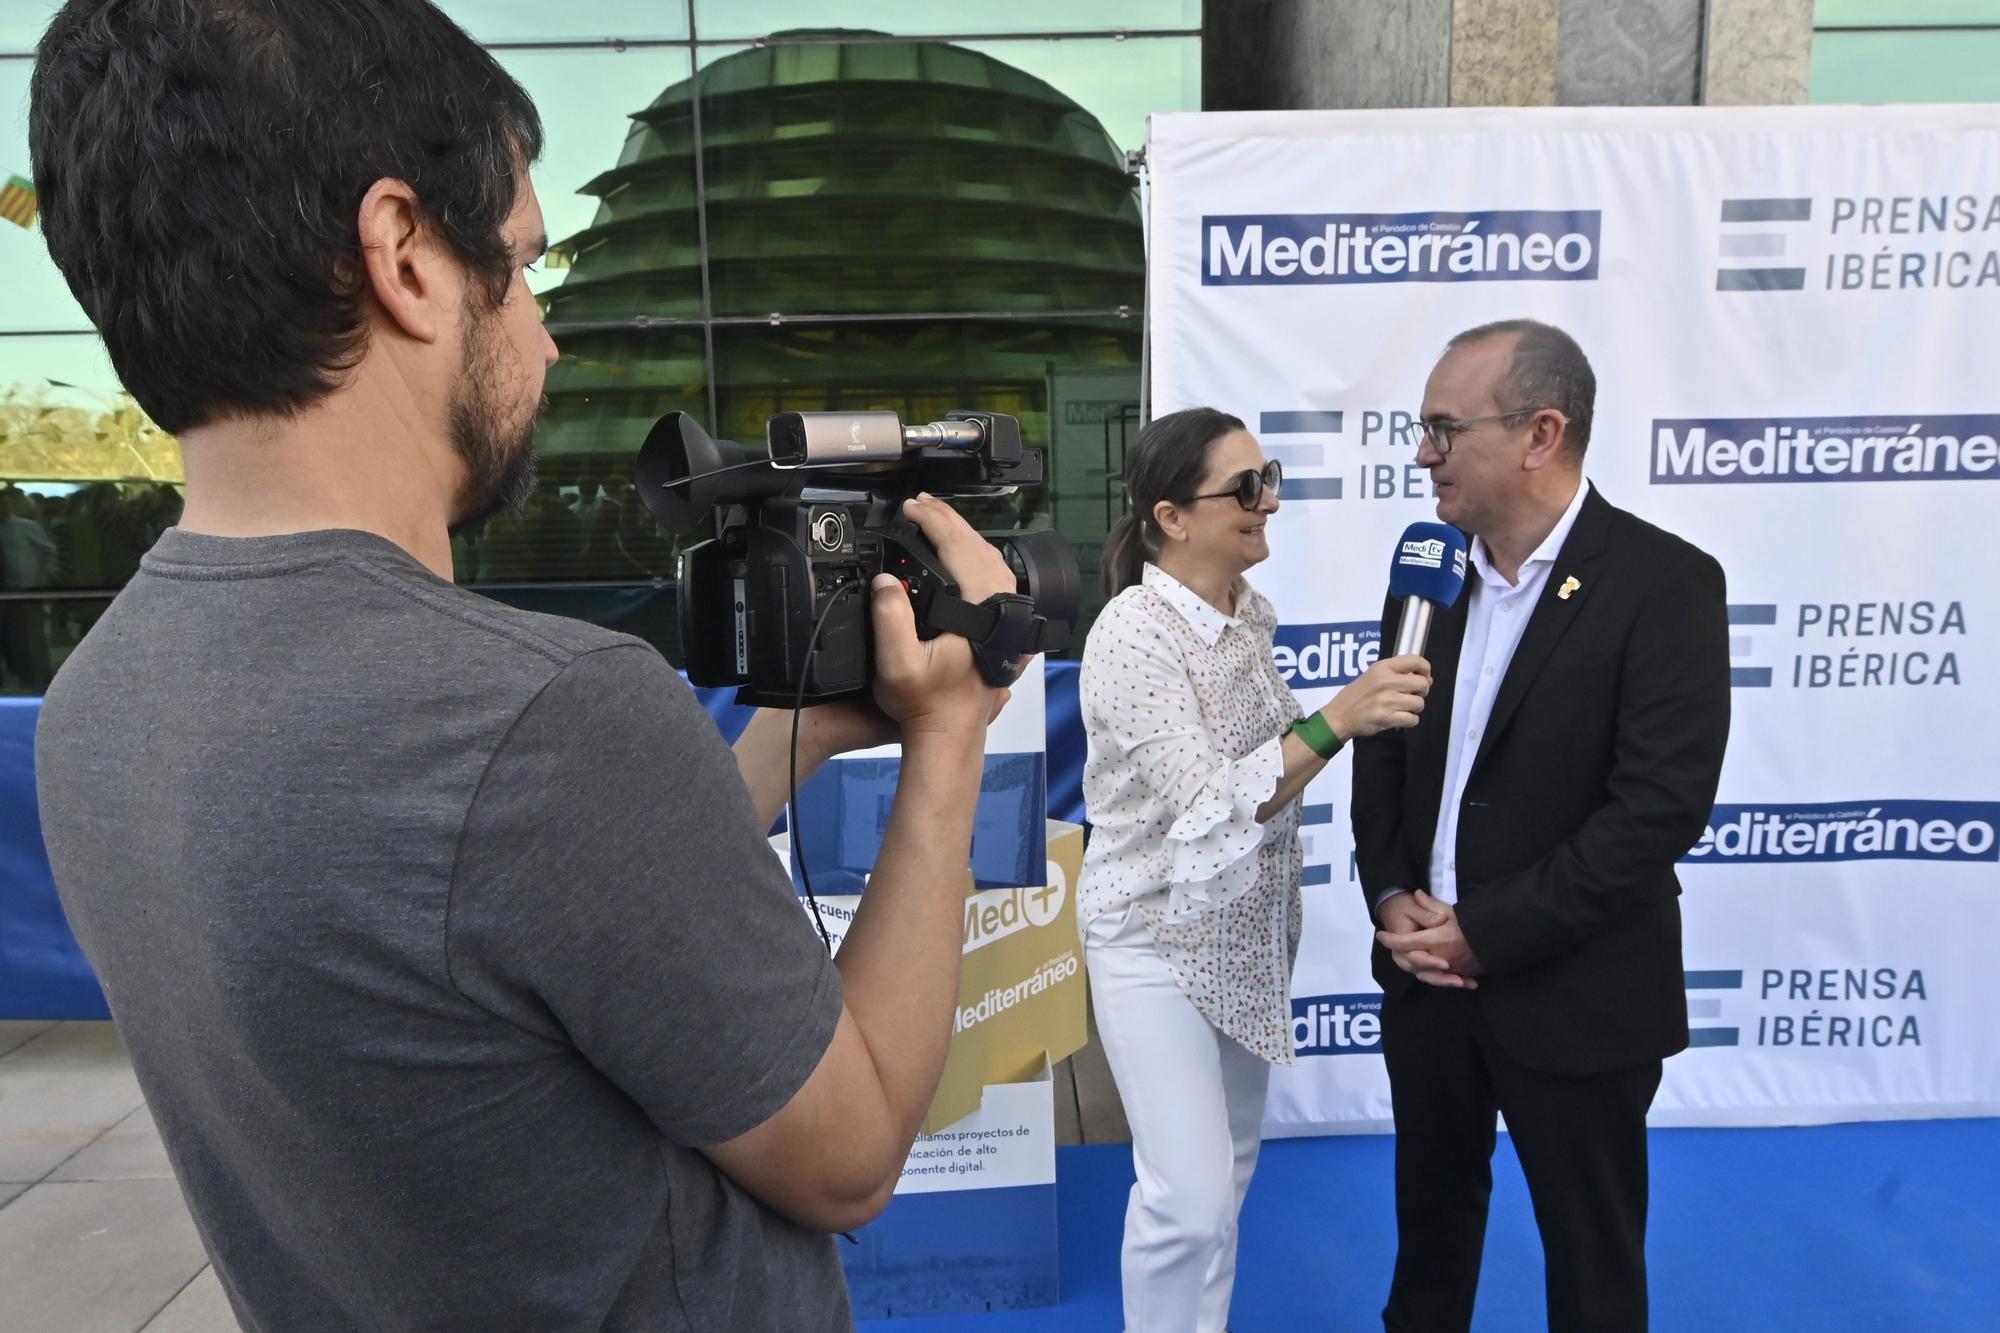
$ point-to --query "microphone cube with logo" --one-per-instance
(1427, 572)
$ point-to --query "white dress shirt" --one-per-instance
(1185, 714)
(1495, 619)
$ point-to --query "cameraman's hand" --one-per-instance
(934, 686)
(764, 749)
(827, 730)
(1387, 695)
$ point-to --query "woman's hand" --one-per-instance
(1388, 695)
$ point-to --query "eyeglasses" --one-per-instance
(1251, 485)
(1440, 432)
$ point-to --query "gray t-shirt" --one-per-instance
(439, 933)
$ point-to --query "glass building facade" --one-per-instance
(1906, 51)
(756, 206)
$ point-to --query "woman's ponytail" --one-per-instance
(1124, 555)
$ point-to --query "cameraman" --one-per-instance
(445, 938)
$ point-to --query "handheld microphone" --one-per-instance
(1427, 572)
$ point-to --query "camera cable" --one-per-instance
(792, 811)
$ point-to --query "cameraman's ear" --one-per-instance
(399, 260)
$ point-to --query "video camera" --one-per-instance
(776, 602)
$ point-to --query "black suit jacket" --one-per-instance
(1596, 773)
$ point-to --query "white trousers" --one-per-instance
(1195, 1101)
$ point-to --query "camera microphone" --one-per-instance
(1428, 571)
(815, 439)
(823, 439)
(945, 435)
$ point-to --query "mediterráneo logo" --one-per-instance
(1000, 999)
(1337, 1024)
(1740, 450)
(1853, 831)
(1330, 654)
(1498, 245)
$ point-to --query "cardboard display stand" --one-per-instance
(973, 1222)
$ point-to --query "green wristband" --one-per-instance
(1318, 736)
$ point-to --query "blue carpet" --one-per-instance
(1889, 1227)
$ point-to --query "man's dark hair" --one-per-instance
(201, 166)
(1548, 370)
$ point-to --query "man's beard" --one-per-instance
(499, 457)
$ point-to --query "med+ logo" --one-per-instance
(1326, 655)
(1497, 245)
(1337, 1024)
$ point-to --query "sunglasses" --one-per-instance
(1251, 485)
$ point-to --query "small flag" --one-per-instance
(19, 203)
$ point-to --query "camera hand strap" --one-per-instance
(1004, 631)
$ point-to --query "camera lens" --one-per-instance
(1045, 569)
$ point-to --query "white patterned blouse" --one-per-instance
(1185, 715)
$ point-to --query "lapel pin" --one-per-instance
(1570, 585)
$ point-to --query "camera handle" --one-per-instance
(1004, 630)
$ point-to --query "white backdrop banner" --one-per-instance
(1791, 313)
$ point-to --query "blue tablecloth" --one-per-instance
(43, 975)
(42, 972)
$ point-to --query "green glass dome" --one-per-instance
(867, 180)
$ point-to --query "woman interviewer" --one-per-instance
(1189, 900)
